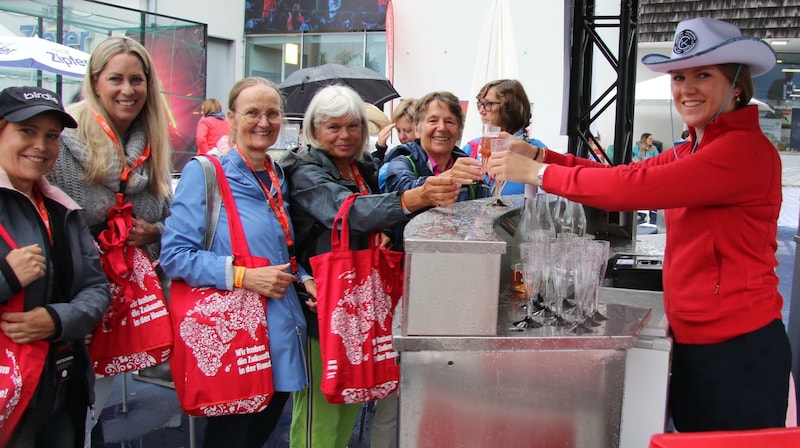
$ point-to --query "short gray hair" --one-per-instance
(335, 101)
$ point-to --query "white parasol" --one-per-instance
(41, 54)
(496, 58)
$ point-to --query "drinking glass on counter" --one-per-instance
(489, 132)
(499, 145)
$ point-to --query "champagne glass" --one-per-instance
(602, 263)
(585, 272)
(560, 258)
(499, 145)
(489, 132)
(532, 276)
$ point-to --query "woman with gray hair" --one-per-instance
(332, 166)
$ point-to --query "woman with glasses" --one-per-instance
(259, 188)
(504, 103)
(333, 165)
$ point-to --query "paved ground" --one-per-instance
(153, 418)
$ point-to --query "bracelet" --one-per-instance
(538, 151)
(238, 276)
(403, 202)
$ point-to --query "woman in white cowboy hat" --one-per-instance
(722, 194)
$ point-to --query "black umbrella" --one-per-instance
(300, 86)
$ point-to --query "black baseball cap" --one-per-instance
(21, 103)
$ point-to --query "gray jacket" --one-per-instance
(317, 190)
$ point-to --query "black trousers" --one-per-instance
(245, 430)
(739, 384)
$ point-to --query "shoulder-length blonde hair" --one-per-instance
(152, 116)
(335, 102)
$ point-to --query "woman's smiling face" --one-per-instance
(700, 93)
(439, 129)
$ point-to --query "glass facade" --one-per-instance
(177, 47)
(275, 57)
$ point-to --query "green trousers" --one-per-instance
(315, 422)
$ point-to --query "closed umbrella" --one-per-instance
(42, 54)
(495, 58)
(300, 86)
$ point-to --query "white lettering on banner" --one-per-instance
(4, 393)
(5, 370)
(69, 61)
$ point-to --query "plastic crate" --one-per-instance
(760, 438)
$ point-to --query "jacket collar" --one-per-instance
(45, 187)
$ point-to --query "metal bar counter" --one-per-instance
(471, 379)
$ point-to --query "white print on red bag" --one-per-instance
(11, 395)
(250, 405)
(214, 322)
(142, 310)
(363, 306)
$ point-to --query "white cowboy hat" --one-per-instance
(703, 41)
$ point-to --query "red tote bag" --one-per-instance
(221, 364)
(21, 366)
(135, 331)
(357, 291)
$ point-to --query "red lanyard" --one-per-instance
(126, 170)
(43, 213)
(277, 206)
(362, 186)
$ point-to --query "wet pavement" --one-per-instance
(153, 419)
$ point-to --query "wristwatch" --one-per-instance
(540, 175)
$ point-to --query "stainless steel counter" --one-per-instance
(471, 379)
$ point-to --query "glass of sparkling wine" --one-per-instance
(489, 132)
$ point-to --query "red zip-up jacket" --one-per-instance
(721, 206)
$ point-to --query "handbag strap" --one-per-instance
(212, 200)
(341, 221)
(17, 301)
(238, 241)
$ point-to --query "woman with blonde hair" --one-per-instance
(121, 127)
(645, 148)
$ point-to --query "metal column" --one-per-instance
(583, 111)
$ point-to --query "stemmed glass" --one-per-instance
(533, 256)
(560, 258)
(585, 272)
(499, 145)
(489, 132)
(603, 248)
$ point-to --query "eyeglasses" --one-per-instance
(486, 104)
(254, 116)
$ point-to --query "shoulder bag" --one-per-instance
(357, 291)
(221, 363)
(21, 365)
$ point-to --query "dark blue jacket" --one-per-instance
(406, 167)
